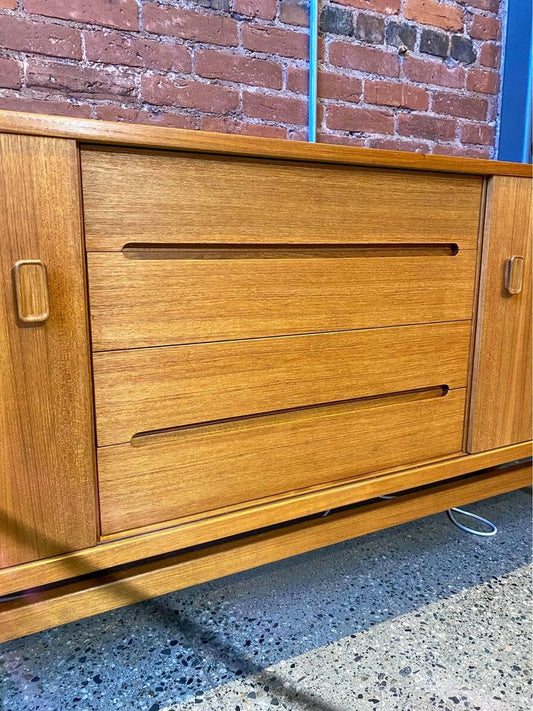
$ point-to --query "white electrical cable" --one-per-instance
(450, 512)
(493, 528)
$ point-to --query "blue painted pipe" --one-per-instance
(313, 68)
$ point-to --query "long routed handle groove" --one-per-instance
(330, 408)
(285, 251)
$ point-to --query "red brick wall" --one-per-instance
(410, 74)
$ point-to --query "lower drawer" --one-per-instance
(147, 389)
(196, 469)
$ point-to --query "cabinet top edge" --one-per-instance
(161, 137)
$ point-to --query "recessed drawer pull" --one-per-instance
(31, 291)
(303, 412)
(514, 274)
(286, 251)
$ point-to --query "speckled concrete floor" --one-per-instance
(414, 618)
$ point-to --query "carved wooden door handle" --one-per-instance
(514, 274)
(31, 291)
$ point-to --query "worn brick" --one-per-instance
(483, 81)
(8, 4)
(214, 64)
(386, 7)
(297, 134)
(490, 55)
(25, 35)
(423, 126)
(189, 24)
(436, 13)
(369, 28)
(433, 72)
(9, 73)
(45, 106)
(485, 28)
(265, 9)
(339, 139)
(79, 81)
(262, 130)
(330, 85)
(489, 5)
(364, 59)
(435, 43)
(358, 119)
(223, 5)
(273, 40)
(453, 104)
(462, 49)
(339, 86)
(274, 108)
(493, 112)
(298, 80)
(401, 95)
(399, 144)
(336, 21)
(112, 47)
(400, 33)
(127, 115)
(294, 12)
(225, 124)
(161, 91)
(122, 14)
(479, 133)
(461, 151)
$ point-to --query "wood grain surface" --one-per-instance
(161, 198)
(47, 477)
(194, 470)
(136, 303)
(156, 388)
(115, 133)
(118, 549)
(77, 600)
(501, 410)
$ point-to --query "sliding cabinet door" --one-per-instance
(501, 394)
(47, 478)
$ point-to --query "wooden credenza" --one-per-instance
(206, 341)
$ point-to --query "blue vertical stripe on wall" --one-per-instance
(515, 121)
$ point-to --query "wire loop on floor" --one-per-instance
(493, 528)
(475, 532)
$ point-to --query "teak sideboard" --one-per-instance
(207, 341)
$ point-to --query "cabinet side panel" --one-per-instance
(501, 393)
(47, 471)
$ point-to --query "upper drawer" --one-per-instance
(149, 301)
(163, 197)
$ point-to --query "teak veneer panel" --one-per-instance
(200, 469)
(501, 411)
(151, 197)
(186, 533)
(72, 601)
(140, 302)
(47, 478)
(123, 134)
(156, 388)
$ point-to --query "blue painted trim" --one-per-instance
(515, 121)
(313, 69)
(526, 149)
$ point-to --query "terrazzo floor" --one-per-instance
(417, 617)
